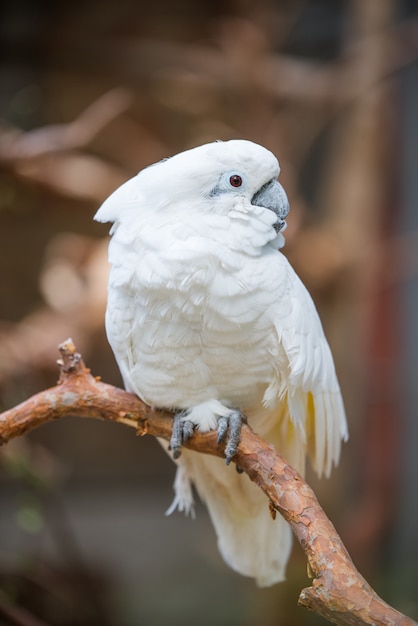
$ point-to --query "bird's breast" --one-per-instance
(184, 333)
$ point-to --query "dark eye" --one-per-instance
(235, 180)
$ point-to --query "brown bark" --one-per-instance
(338, 592)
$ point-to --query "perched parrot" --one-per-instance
(207, 318)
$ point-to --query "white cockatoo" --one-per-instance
(207, 318)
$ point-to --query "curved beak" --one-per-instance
(272, 196)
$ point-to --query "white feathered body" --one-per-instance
(205, 313)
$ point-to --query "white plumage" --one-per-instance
(204, 313)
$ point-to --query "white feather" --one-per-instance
(205, 314)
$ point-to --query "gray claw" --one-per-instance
(222, 428)
(233, 423)
(182, 431)
(187, 430)
(176, 436)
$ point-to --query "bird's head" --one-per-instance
(244, 175)
(236, 178)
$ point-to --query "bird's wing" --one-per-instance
(309, 387)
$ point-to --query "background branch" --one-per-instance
(16, 145)
(338, 592)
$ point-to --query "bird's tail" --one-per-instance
(250, 541)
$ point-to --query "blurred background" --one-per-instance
(91, 91)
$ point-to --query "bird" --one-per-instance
(207, 319)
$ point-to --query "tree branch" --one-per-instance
(338, 592)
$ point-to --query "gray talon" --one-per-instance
(187, 430)
(176, 436)
(182, 431)
(222, 428)
(233, 423)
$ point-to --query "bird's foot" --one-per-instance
(207, 416)
(232, 425)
